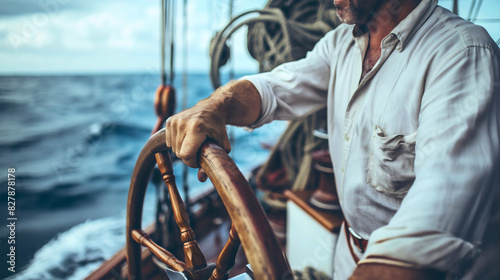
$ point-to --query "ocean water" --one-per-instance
(73, 141)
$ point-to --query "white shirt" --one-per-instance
(414, 144)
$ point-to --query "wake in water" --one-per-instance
(76, 253)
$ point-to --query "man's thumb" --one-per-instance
(224, 142)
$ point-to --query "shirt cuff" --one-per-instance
(421, 248)
(386, 261)
(268, 101)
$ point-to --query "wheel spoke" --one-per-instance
(162, 254)
(194, 258)
(227, 257)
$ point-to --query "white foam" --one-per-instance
(77, 252)
(74, 254)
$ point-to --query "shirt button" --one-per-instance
(346, 137)
(343, 170)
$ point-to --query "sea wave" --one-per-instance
(77, 252)
(74, 254)
(73, 141)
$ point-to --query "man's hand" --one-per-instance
(237, 103)
(187, 130)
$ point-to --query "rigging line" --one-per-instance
(231, 60)
(172, 38)
(184, 55)
(163, 74)
(487, 20)
(231, 67)
(213, 17)
(455, 7)
(471, 9)
(498, 41)
(185, 178)
(477, 10)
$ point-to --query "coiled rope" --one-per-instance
(283, 31)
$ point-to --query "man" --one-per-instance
(413, 98)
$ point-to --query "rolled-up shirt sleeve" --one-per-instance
(443, 217)
(297, 88)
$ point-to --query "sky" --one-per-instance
(91, 36)
(122, 36)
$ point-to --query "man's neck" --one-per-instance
(383, 21)
(386, 18)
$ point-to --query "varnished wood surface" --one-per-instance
(331, 220)
(257, 238)
(212, 229)
(164, 104)
(163, 255)
(140, 178)
(227, 256)
(193, 256)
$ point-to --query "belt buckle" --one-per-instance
(358, 240)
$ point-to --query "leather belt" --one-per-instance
(358, 241)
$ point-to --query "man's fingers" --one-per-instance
(178, 143)
(168, 136)
(224, 142)
(202, 176)
(173, 136)
(189, 150)
(185, 133)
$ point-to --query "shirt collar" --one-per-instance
(405, 30)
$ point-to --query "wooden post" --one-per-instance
(194, 258)
(227, 257)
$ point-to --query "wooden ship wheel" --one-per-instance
(249, 222)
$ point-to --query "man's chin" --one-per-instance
(346, 21)
(345, 18)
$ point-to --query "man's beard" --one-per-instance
(356, 13)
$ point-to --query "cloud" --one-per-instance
(105, 36)
(109, 33)
(26, 7)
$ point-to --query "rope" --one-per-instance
(164, 101)
(231, 68)
(283, 31)
(477, 10)
(455, 7)
(185, 184)
(171, 28)
(184, 55)
(292, 155)
(163, 75)
(231, 74)
(164, 106)
(471, 9)
(307, 21)
(218, 47)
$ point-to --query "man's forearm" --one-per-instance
(239, 103)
